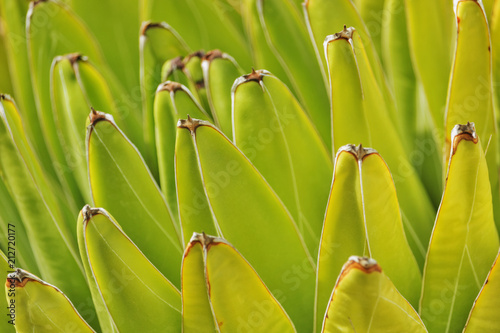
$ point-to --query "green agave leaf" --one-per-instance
(262, 54)
(227, 177)
(432, 56)
(240, 299)
(494, 25)
(115, 26)
(482, 317)
(194, 209)
(6, 83)
(425, 154)
(368, 122)
(365, 300)
(6, 267)
(173, 101)
(13, 238)
(172, 70)
(488, 8)
(372, 14)
(464, 241)
(36, 203)
(220, 70)
(197, 315)
(363, 218)
(137, 296)
(158, 43)
(280, 19)
(470, 95)
(52, 29)
(120, 181)
(275, 133)
(15, 44)
(41, 307)
(192, 69)
(202, 23)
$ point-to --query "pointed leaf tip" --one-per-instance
(191, 124)
(359, 151)
(463, 132)
(213, 54)
(19, 278)
(346, 34)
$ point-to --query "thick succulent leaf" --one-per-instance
(6, 83)
(262, 54)
(240, 299)
(137, 296)
(363, 218)
(197, 315)
(464, 241)
(368, 122)
(279, 19)
(36, 203)
(220, 71)
(425, 154)
(365, 300)
(227, 176)
(194, 209)
(494, 25)
(52, 29)
(173, 101)
(372, 13)
(194, 73)
(431, 56)
(172, 70)
(470, 97)
(115, 26)
(13, 238)
(275, 133)
(14, 29)
(121, 182)
(158, 43)
(483, 316)
(202, 23)
(41, 307)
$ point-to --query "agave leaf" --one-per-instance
(431, 56)
(197, 315)
(137, 296)
(275, 133)
(297, 55)
(240, 299)
(219, 71)
(262, 54)
(115, 26)
(15, 44)
(6, 83)
(52, 29)
(494, 25)
(40, 306)
(36, 202)
(172, 70)
(464, 241)
(6, 267)
(173, 101)
(202, 23)
(488, 8)
(158, 43)
(13, 238)
(482, 317)
(470, 97)
(194, 209)
(227, 175)
(192, 69)
(363, 218)
(120, 181)
(372, 14)
(369, 123)
(365, 300)
(425, 154)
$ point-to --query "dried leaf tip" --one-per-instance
(19, 278)
(191, 124)
(463, 132)
(198, 54)
(75, 57)
(359, 151)
(346, 34)
(213, 54)
(364, 264)
(88, 212)
(96, 116)
(169, 86)
(203, 239)
(148, 25)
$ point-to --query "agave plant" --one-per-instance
(249, 166)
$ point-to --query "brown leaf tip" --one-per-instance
(203, 239)
(463, 132)
(96, 116)
(88, 212)
(18, 278)
(364, 264)
(358, 151)
(346, 34)
(75, 57)
(149, 25)
(213, 54)
(198, 54)
(170, 86)
(191, 124)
